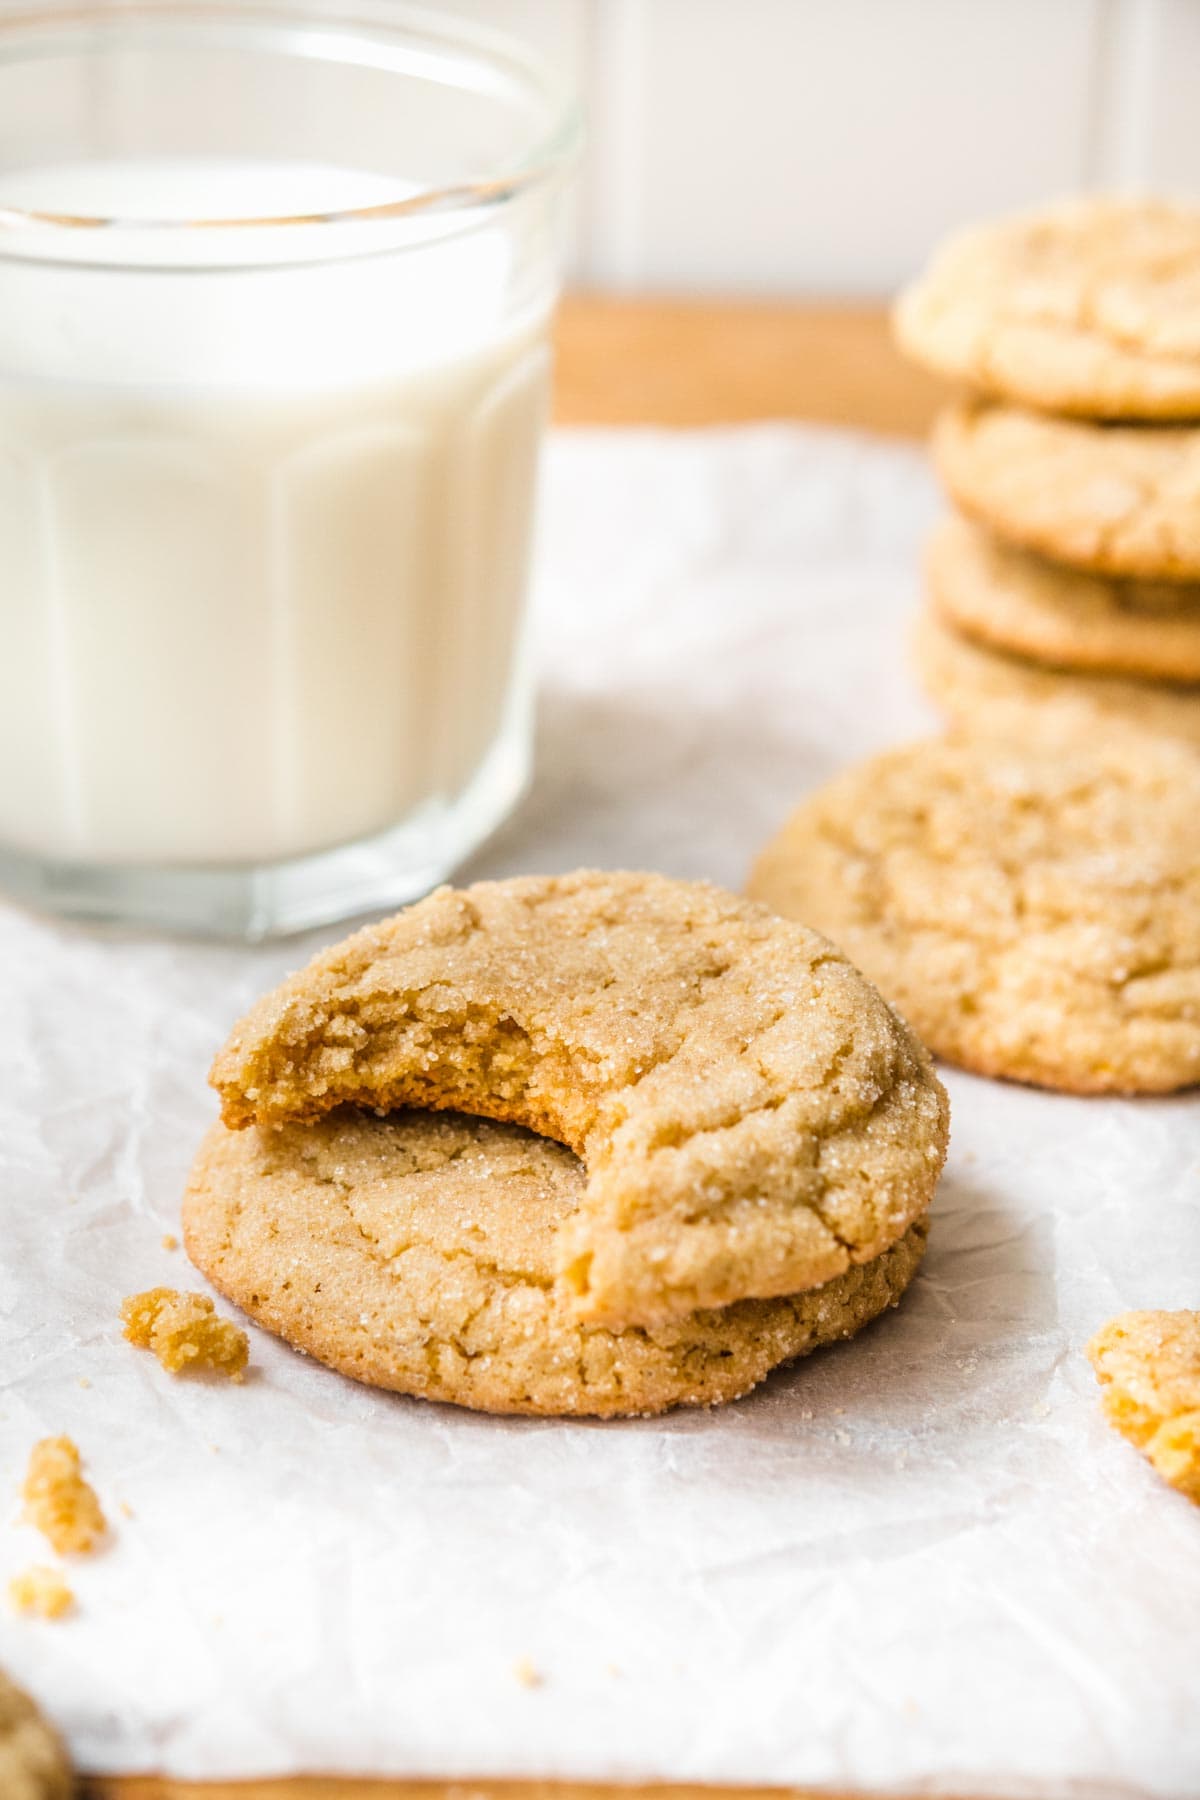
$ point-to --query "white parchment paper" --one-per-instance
(920, 1558)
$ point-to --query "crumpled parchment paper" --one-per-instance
(917, 1559)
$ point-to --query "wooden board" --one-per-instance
(666, 363)
(684, 363)
(153, 1787)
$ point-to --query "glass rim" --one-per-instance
(549, 158)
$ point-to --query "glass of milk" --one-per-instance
(276, 284)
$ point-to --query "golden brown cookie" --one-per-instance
(1026, 607)
(1090, 307)
(417, 1252)
(1148, 1364)
(33, 1763)
(987, 690)
(753, 1118)
(1121, 500)
(1035, 914)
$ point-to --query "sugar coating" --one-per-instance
(1089, 307)
(417, 1252)
(983, 689)
(184, 1332)
(33, 1763)
(1035, 913)
(40, 1592)
(1024, 606)
(1148, 1365)
(58, 1499)
(753, 1118)
(1119, 500)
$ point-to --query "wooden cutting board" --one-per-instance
(672, 363)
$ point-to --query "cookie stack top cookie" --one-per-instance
(1066, 589)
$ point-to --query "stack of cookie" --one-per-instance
(1067, 584)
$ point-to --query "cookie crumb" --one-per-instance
(58, 1500)
(184, 1332)
(526, 1674)
(40, 1593)
(1148, 1366)
(84, 1382)
(170, 1241)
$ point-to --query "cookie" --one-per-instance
(1148, 1364)
(1121, 500)
(1025, 607)
(987, 690)
(417, 1252)
(1088, 307)
(1034, 914)
(753, 1118)
(33, 1763)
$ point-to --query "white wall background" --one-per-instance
(821, 146)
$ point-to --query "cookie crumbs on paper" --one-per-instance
(184, 1332)
(526, 1674)
(40, 1592)
(58, 1500)
(1148, 1366)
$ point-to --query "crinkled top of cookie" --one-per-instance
(1036, 914)
(753, 1117)
(1091, 306)
(1120, 500)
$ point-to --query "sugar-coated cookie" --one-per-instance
(983, 689)
(1120, 500)
(753, 1118)
(417, 1252)
(33, 1763)
(1148, 1365)
(1034, 914)
(1024, 606)
(1090, 307)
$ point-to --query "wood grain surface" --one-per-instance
(670, 362)
(674, 363)
(317, 1787)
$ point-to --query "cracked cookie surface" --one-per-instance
(753, 1117)
(1023, 606)
(1148, 1365)
(1121, 500)
(1089, 307)
(984, 689)
(1035, 915)
(416, 1252)
(33, 1763)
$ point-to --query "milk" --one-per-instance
(264, 535)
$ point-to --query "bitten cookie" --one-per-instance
(417, 1252)
(1035, 915)
(987, 690)
(1091, 307)
(1022, 606)
(33, 1763)
(1121, 500)
(1148, 1365)
(753, 1118)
